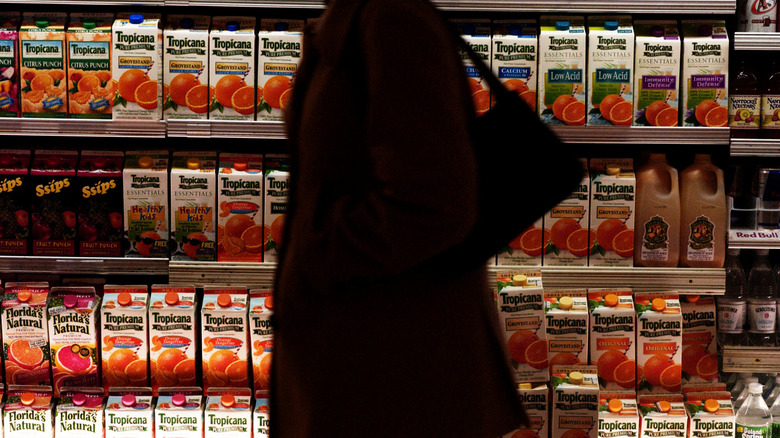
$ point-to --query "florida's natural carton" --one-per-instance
(79, 413)
(26, 354)
(28, 412)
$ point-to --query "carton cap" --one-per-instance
(658, 304)
(611, 300)
(239, 165)
(705, 30)
(663, 406)
(171, 298)
(228, 400)
(124, 298)
(711, 405)
(70, 301)
(657, 31)
(612, 169)
(136, 19)
(519, 280)
(691, 298)
(187, 23)
(178, 399)
(128, 400)
(24, 295)
(523, 386)
(145, 162)
(576, 378)
(27, 399)
(42, 24)
(562, 25)
(565, 303)
(281, 26)
(79, 399)
(615, 406)
(231, 26)
(88, 24)
(224, 300)
(610, 25)
(193, 163)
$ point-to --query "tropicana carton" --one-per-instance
(179, 413)
(145, 184)
(659, 343)
(279, 54)
(613, 193)
(28, 412)
(225, 350)
(699, 339)
(186, 70)
(610, 70)
(228, 413)
(566, 314)
(712, 415)
(260, 416)
(657, 73)
(26, 334)
(521, 315)
(575, 401)
(91, 90)
(262, 336)
(136, 65)
(618, 414)
(536, 402)
(231, 68)
(277, 191)
(662, 415)
(172, 336)
(9, 64)
(14, 202)
(570, 238)
(79, 413)
(125, 336)
(562, 57)
(526, 249)
(515, 49)
(193, 200)
(130, 413)
(476, 32)
(53, 202)
(240, 232)
(42, 55)
(613, 337)
(705, 73)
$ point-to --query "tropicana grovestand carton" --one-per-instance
(186, 67)
(279, 54)
(521, 316)
(136, 65)
(536, 404)
(566, 313)
(575, 401)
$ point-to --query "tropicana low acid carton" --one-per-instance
(562, 55)
(521, 315)
(610, 70)
(575, 401)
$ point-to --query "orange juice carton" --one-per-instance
(262, 336)
(662, 415)
(28, 412)
(193, 199)
(570, 239)
(705, 66)
(145, 185)
(613, 337)
(9, 64)
(260, 416)
(515, 50)
(125, 341)
(225, 349)
(699, 339)
(14, 201)
(536, 401)
(73, 341)
(179, 413)
(566, 314)
(279, 53)
(91, 88)
(186, 67)
(42, 55)
(711, 414)
(618, 414)
(575, 401)
(240, 232)
(26, 334)
(53, 202)
(610, 70)
(526, 249)
(562, 56)
(228, 413)
(172, 336)
(136, 65)
(659, 343)
(232, 61)
(613, 190)
(657, 73)
(476, 32)
(277, 189)
(99, 188)
(79, 413)
(130, 413)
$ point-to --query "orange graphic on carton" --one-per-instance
(662, 415)
(711, 414)
(26, 334)
(225, 347)
(618, 414)
(613, 337)
(700, 348)
(228, 413)
(125, 330)
(91, 89)
(659, 339)
(260, 310)
(172, 334)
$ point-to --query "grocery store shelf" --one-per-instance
(642, 135)
(591, 6)
(83, 128)
(756, 41)
(751, 359)
(226, 129)
(754, 239)
(91, 2)
(84, 265)
(755, 147)
(201, 273)
(281, 4)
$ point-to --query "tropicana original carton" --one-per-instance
(173, 334)
(262, 336)
(562, 56)
(130, 413)
(232, 68)
(521, 315)
(28, 412)
(657, 73)
(613, 337)
(699, 339)
(566, 313)
(240, 234)
(705, 73)
(225, 349)
(575, 401)
(193, 203)
(186, 70)
(26, 334)
(42, 56)
(145, 184)
(662, 415)
(91, 89)
(610, 70)
(279, 53)
(228, 413)
(536, 404)
(514, 61)
(79, 413)
(618, 414)
(125, 336)
(136, 65)
(14, 201)
(612, 207)
(659, 343)
(570, 238)
(179, 413)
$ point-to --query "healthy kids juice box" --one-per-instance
(610, 70)
(613, 189)
(179, 413)
(659, 343)
(613, 337)
(14, 202)
(53, 202)
(79, 413)
(145, 184)
(618, 414)
(172, 336)
(279, 54)
(42, 55)
(231, 68)
(536, 402)
(228, 413)
(193, 198)
(699, 339)
(9, 64)
(277, 189)
(26, 334)
(91, 88)
(260, 416)
(130, 413)
(662, 415)
(28, 412)
(570, 239)
(705, 73)
(526, 249)
(225, 350)
(186, 69)
(515, 49)
(73, 339)
(566, 313)
(240, 232)
(99, 187)
(262, 336)
(575, 401)
(711, 415)
(562, 70)
(657, 73)
(136, 65)
(476, 32)
(125, 341)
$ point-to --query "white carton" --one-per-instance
(136, 65)
(279, 53)
(179, 413)
(28, 412)
(657, 73)
(515, 50)
(610, 70)
(476, 32)
(125, 336)
(172, 336)
(562, 58)
(130, 413)
(79, 413)
(228, 413)
(262, 336)
(705, 70)
(145, 185)
(260, 416)
(186, 69)
(225, 350)
(240, 234)
(232, 63)
(193, 202)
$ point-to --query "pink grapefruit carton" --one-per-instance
(575, 401)
(659, 343)
(711, 414)
(225, 349)
(536, 403)
(232, 62)
(79, 413)
(566, 313)
(279, 53)
(613, 337)
(125, 336)
(172, 336)
(522, 320)
(613, 191)
(14, 201)
(570, 238)
(240, 199)
(186, 67)
(179, 413)
(136, 65)
(91, 90)
(699, 339)
(9, 64)
(260, 415)
(262, 336)
(130, 413)
(228, 413)
(26, 334)
(28, 412)
(662, 415)
(618, 414)
(526, 249)
(42, 55)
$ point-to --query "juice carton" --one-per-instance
(28, 412)
(699, 339)
(26, 334)
(610, 70)
(662, 415)
(659, 341)
(136, 65)
(260, 416)
(279, 54)
(262, 336)
(231, 63)
(225, 350)
(145, 184)
(515, 48)
(14, 202)
(228, 413)
(2, 404)
(240, 232)
(186, 68)
(562, 70)
(125, 341)
(476, 32)
(9, 64)
(705, 73)
(618, 414)
(566, 314)
(536, 403)
(73, 337)
(99, 187)
(79, 413)
(521, 314)
(53, 202)
(575, 401)
(526, 249)
(613, 337)
(179, 413)
(193, 198)
(42, 55)
(711, 415)
(613, 187)
(130, 413)
(657, 73)
(91, 89)
(570, 239)
(277, 188)
(173, 333)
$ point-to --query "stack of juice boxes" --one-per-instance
(130, 413)
(225, 349)
(232, 42)
(279, 53)
(136, 65)
(186, 71)
(575, 401)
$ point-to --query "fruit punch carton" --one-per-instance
(28, 412)
(145, 185)
(618, 414)
(476, 32)
(79, 413)
(172, 330)
(659, 343)
(526, 249)
(130, 413)
(73, 337)
(232, 42)
(515, 49)
(186, 70)
(228, 413)
(26, 334)
(125, 341)
(260, 416)
(136, 65)
(566, 314)
(522, 319)
(179, 413)
(277, 190)
(225, 349)
(91, 88)
(570, 239)
(9, 64)
(14, 202)
(613, 190)
(657, 73)
(193, 199)
(262, 336)
(562, 55)
(240, 232)
(699, 339)
(662, 415)
(99, 188)
(711, 415)
(705, 73)
(279, 54)
(53, 202)
(610, 70)
(42, 55)
(575, 401)
(536, 403)
(613, 337)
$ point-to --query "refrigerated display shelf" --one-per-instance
(751, 359)
(226, 129)
(757, 41)
(91, 2)
(84, 265)
(754, 239)
(83, 128)
(228, 273)
(642, 135)
(755, 147)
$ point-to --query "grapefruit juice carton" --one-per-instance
(136, 61)
(575, 402)
(657, 73)
(260, 416)
(536, 401)
(515, 50)
(26, 334)
(526, 249)
(228, 413)
(193, 199)
(9, 64)
(699, 339)
(42, 55)
(145, 184)
(711, 414)
(570, 238)
(28, 412)
(130, 413)
(562, 70)
(125, 331)
(262, 337)
(240, 232)
(54, 203)
(613, 337)
(566, 314)
(14, 202)
(277, 187)
(613, 189)
(99, 188)
(225, 350)
(705, 73)
(659, 343)
(185, 72)
(231, 68)
(279, 54)
(91, 88)
(172, 336)
(618, 414)
(179, 413)
(610, 70)
(662, 415)
(79, 413)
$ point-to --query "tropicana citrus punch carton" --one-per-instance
(515, 50)
(130, 413)
(659, 343)
(179, 413)
(476, 32)
(662, 415)
(711, 415)
(618, 414)
(9, 64)
(262, 336)
(99, 188)
(53, 202)
(240, 232)
(610, 70)
(42, 55)
(536, 401)
(231, 68)
(145, 184)
(566, 314)
(279, 53)
(526, 249)
(79, 413)
(172, 336)
(91, 88)
(136, 65)
(562, 70)
(613, 190)
(575, 402)
(699, 339)
(28, 412)
(260, 416)
(277, 189)
(125, 336)
(570, 238)
(705, 73)
(228, 413)
(613, 337)
(26, 334)
(225, 350)
(193, 199)
(186, 88)
(14, 201)
(657, 73)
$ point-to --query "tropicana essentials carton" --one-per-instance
(705, 67)
(521, 315)
(136, 65)
(193, 204)
(232, 61)
(657, 73)
(536, 404)
(279, 53)
(575, 401)
(610, 70)
(612, 207)
(185, 73)
(562, 57)
(145, 184)
(659, 343)
(613, 337)
(125, 336)
(277, 191)
(566, 313)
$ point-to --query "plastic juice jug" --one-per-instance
(657, 240)
(744, 97)
(770, 96)
(703, 227)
